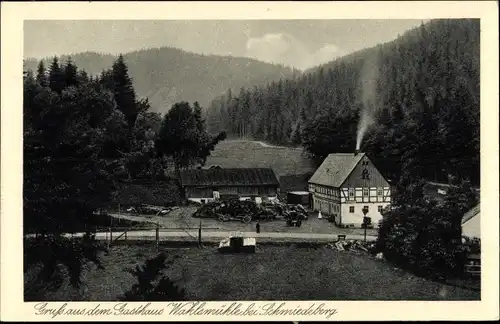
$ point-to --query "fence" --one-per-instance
(473, 266)
(115, 234)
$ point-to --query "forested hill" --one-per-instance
(169, 75)
(417, 97)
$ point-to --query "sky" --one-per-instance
(297, 43)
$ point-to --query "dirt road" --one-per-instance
(192, 235)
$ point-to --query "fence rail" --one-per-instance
(156, 229)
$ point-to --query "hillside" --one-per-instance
(410, 103)
(250, 154)
(169, 75)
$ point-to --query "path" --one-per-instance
(263, 144)
(266, 145)
(140, 235)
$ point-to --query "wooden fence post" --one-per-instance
(157, 235)
(110, 235)
(125, 236)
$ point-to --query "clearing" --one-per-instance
(255, 154)
(272, 273)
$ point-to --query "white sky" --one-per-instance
(298, 43)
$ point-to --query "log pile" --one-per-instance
(351, 245)
(246, 211)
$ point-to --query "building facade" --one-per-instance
(206, 185)
(471, 223)
(344, 184)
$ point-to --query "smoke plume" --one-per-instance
(369, 77)
(365, 122)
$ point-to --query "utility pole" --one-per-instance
(157, 235)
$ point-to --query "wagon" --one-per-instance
(243, 218)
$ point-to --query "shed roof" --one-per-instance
(471, 213)
(336, 168)
(229, 177)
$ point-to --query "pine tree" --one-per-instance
(124, 91)
(56, 77)
(83, 77)
(197, 114)
(41, 75)
(70, 74)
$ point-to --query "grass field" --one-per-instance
(272, 273)
(250, 154)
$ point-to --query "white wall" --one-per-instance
(198, 200)
(472, 228)
(210, 199)
(356, 218)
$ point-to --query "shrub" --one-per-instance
(424, 238)
(152, 284)
(56, 257)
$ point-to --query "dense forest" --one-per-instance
(414, 102)
(83, 135)
(169, 75)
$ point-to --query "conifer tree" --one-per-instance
(56, 77)
(70, 74)
(41, 74)
(124, 91)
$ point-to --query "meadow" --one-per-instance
(272, 273)
(253, 154)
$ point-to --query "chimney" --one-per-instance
(356, 152)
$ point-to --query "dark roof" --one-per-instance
(336, 168)
(471, 214)
(229, 177)
(296, 182)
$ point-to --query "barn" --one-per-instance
(345, 184)
(206, 185)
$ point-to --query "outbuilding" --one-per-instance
(206, 185)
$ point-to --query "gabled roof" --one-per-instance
(471, 214)
(229, 177)
(336, 168)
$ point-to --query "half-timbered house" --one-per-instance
(344, 184)
(206, 185)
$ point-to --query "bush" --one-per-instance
(424, 238)
(152, 284)
(56, 257)
(158, 193)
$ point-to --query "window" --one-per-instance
(379, 209)
(351, 209)
(351, 193)
(365, 192)
(380, 192)
(367, 209)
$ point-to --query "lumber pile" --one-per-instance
(351, 245)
